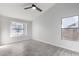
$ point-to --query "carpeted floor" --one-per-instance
(34, 48)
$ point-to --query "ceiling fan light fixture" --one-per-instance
(34, 8)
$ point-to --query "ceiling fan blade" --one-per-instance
(27, 7)
(38, 9)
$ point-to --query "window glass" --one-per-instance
(16, 29)
(70, 22)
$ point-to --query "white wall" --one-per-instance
(47, 27)
(5, 30)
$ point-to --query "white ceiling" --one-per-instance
(16, 10)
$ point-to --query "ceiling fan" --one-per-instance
(33, 6)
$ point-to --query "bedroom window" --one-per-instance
(16, 29)
(70, 22)
(70, 28)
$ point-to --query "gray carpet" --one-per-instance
(34, 48)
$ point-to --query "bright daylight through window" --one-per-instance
(16, 29)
